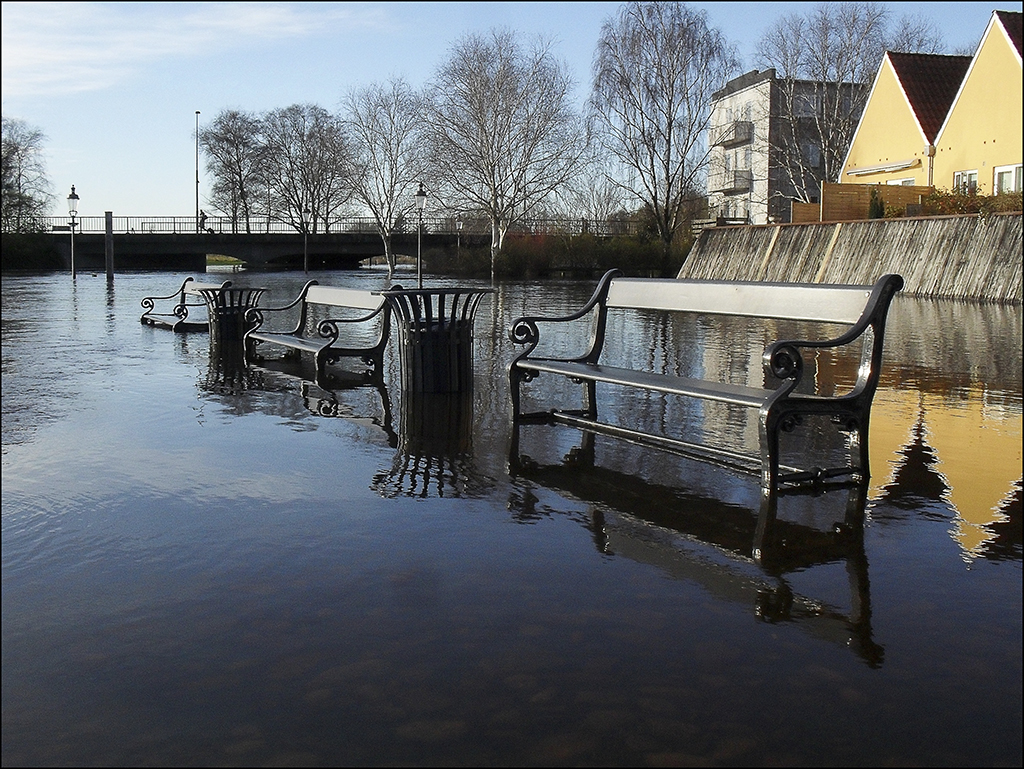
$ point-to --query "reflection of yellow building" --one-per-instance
(945, 121)
(978, 450)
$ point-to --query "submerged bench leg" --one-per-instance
(590, 399)
(769, 441)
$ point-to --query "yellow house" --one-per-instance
(945, 121)
(894, 141)
(979, 146)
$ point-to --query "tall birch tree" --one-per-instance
(384, 123)
(307, 165)
(656, 66)
(233, 147)
(503, 131)
(26, 192)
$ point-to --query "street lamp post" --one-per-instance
(197, 171)
(421, 203)
(304, 217)
(458, 237)
(73, 211)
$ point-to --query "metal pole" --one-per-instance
(108, 244)
(305, 235)
(197, 171)
(73, 274)
(419, 252)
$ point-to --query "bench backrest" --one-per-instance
(786, 301)
(343, 297)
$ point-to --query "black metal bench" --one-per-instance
(178, 317)
(781, 402)
(372, 315)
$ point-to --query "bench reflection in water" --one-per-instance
(434, 447)
(669, 527)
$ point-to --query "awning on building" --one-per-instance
(897, 165)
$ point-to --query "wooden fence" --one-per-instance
(851, 202)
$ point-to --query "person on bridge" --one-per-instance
(202, 220)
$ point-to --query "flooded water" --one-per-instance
(205, 564)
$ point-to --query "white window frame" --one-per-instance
(968, 179)
(902, 182)
(1015, 179)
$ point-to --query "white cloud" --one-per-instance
(61, 48)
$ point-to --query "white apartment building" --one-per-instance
(764, 153)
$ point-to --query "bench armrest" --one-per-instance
(329, 328)
(525, 330)
(148, 302)
(254, 315)
(783, 359)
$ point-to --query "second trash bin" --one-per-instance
(435, 337)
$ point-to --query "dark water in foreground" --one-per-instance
(206, 566)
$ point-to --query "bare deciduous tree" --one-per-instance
(655, 69)
(502, 129)
(384, 121)
(234, 149)
(825, 62)
(306, 163)
(916, 34)
(26, 192)
(592, 196)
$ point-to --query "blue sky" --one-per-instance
(115, 86)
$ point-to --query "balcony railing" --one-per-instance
(734, 181)
(737, 132)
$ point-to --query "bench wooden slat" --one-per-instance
(343, 297)
(195, 288)
(751, 397)
(286, 339)
(785, 301)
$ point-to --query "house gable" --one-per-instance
(908, 102)
(982, 132)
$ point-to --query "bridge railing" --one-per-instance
(223, 225)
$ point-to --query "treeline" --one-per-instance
(496, 133)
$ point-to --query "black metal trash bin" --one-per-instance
(226, 309)
(435, 337)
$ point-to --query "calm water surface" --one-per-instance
(208, 565)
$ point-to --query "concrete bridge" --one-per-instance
(187, 252)
(175, 243)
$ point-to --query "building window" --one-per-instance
(902, 182)
(806, 105)
(1006, 179)
(965, 182)
(812, 154)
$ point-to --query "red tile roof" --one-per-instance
(1011, 21)
(931, 82)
